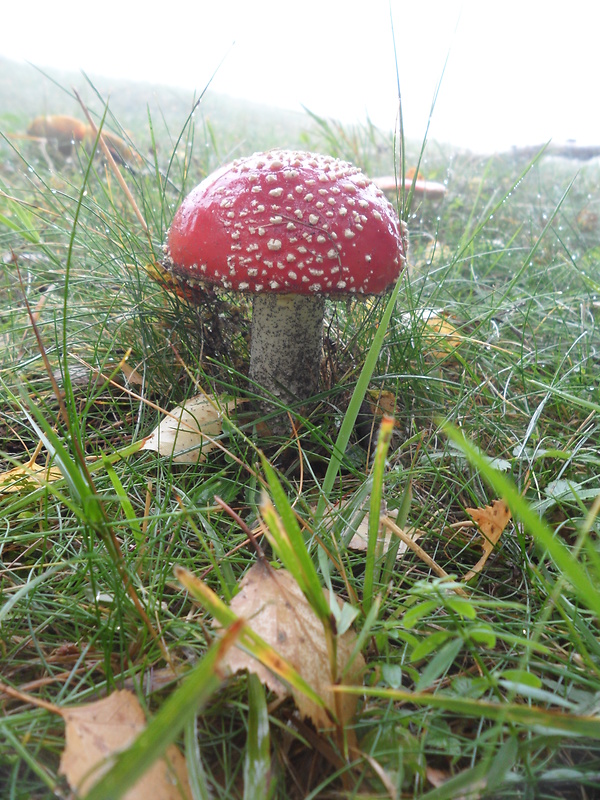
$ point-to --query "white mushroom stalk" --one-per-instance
(286, 345)
(291, 228)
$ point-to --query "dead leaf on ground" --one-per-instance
(382, 403)
(491, 521)
(274, 606)
(439, 337)
(27, 477)
(191, 425)
(132, 376)
(162, 276)
(97, 731)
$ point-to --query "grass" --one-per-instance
(490, 693)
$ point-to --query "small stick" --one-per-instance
(28, 698)
(249, 533)
(391, 525)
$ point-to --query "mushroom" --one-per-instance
(422, 188)
(61, 130)
(292, 228)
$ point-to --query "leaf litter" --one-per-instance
(276, 609)
(188, 431)
(97, 732)
(491, 522)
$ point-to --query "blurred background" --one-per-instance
(511, 73)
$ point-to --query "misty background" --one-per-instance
(515, 73)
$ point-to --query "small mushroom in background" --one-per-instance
(63, 133)
(422, 188)
(60, 130)
(292, 228)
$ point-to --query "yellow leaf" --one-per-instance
(491, 521)
(97, 731)
(438, 336)
(382, 402)
(27, 477)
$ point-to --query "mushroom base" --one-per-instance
(286, 349)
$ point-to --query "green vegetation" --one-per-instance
(489, 367)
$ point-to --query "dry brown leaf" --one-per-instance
(439, 335)
(382, 403)
(437, 777)
(96, 731)
(191, 425)
(159, 274)
(491, 521)
(360, 539)
(132, 376)
(275, 608)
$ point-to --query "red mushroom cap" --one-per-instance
(288, 222)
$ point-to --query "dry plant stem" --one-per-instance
(397, 531)
(249, 533)
(28, 698)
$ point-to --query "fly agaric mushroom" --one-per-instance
(291, 228)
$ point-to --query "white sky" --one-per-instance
(518, 72)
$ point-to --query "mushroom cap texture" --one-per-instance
(287, 222)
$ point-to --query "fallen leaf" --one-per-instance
(437, 777)
(159, 274)
(438, 336)
(491, 521)
(275, 608)
(132, 376)
(382, 403)
(97, 731)
(191, 425)
(27, 477)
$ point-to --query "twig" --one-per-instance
(249, 533)
(391, 525)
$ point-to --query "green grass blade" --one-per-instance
(257, 760)
(193, 758)
(552, 721)
(288, 542)
(374, 545)
(570, 567)
(358, 395)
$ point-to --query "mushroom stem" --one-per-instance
(286, 348)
